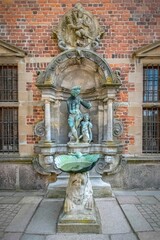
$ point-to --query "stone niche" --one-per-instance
(78, 65)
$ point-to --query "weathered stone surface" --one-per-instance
(33, 237)
(7, 176)
(29, 179)
(149, 235)
(10, 200)
(112, 218)
(30, 200)
(85, 221)
(21, 220)
(127, 236)
(124, 193)
(128, 199)
(135, 218)
(45, 219)
(140, 176)
(148, 200)
(12, 236)
(77, 237)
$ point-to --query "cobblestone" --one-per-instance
(151, 214)
(7, 213)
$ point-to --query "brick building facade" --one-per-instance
(131, 44)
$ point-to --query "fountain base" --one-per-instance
(79, 221)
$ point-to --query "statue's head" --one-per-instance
(86, 117)
(75, 91)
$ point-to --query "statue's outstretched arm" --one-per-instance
(85, 104)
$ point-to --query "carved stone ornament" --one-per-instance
(78, 28)
(39, 129)
(110, 165)
(117, 128)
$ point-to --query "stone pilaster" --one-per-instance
(47, 121)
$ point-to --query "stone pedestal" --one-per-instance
(80, 221)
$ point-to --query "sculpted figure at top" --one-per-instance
(75, 115)
(78, 28)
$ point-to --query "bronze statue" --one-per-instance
(75, 116)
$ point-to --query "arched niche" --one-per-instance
(83, 68)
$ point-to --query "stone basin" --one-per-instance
(77, 162)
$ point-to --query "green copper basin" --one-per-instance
(76, 162)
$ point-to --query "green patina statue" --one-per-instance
(75, 116)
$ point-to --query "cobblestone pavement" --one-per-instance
(151, 213)
(7, 213)
(130, 215)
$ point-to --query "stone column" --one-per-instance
(105, 122)
(47, 121)
(110, 120)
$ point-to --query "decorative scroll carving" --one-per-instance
(117, 128)
(45, 165)
(39, 129)
(110, 164)
(78, 28)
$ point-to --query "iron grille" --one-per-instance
(8, 115)
(8, 129)
(8, 83)
(151, 115)
(151, 130)
(151, 84)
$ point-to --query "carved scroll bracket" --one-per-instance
(110, 165)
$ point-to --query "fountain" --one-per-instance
(79, 213)
(78, 87)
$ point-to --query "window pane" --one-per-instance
(151, 130)
(8, 83)
(8, 129)
(151, 83)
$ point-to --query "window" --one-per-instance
(151, 109)
(8, 108)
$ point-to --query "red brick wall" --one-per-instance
(128, 24)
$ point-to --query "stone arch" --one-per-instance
(72, 66)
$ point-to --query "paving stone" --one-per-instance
(149, 236)
(6, 193)
(29, 193)
(135, 218)
(12, 236)
(45, 219)
(157, 197)
(10, 200)
(128, 199)
(29, 200)
(112, 218)
(147, 193)
(77, 237)
(124, 193)
(7, 213)
(32, 237)
(22, 219)
(1, 233)
(148, 200)
(128, 236)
